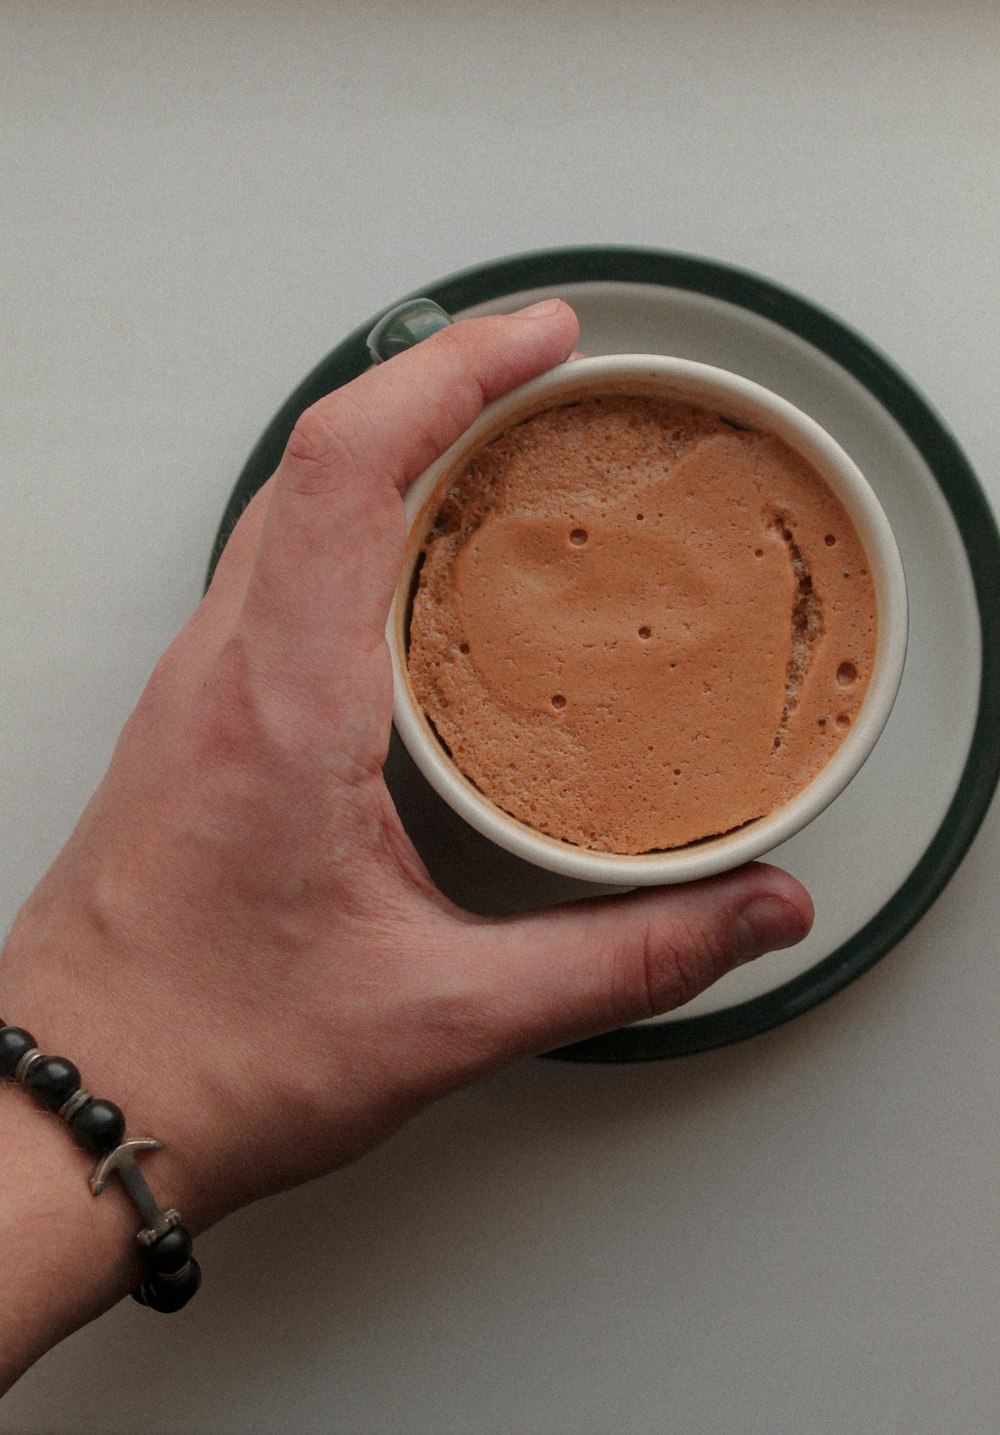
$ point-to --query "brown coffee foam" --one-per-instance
(629, 623)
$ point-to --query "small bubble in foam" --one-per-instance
(463, 647)
(558, 701)
(578, 537)
(645, 632)
(829, 540)
(758, 553)
(821, 722)
(843, 721)
(639, 517)
(847, 674)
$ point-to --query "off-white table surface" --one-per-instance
(796, 1236)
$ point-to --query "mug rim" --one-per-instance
(710, 386)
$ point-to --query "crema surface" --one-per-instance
(637, 625)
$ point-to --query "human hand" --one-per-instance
(239, 945)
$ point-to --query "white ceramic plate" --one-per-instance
(877, 858)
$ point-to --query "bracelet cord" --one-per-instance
(172, 1275)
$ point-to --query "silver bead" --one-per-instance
(69, 1108)
(148, 1234)
(27, 1062)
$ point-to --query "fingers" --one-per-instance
(569, 973)
(331, 547)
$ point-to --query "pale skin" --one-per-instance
(238, 943)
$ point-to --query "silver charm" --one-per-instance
(122, 1161)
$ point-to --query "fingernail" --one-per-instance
(767, 923)
(542, 310)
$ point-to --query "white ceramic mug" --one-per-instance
(748, 403)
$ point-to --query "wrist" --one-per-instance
(71, 985)
(63, 1261)
(68, 1250)
(66, 1257)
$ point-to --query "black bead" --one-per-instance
(52, 1081)
(166, 1295)
(170, 1252)
(98, 1126)
(14, 1042)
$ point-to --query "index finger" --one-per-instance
(329, 554)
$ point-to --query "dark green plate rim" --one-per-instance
(549, 269)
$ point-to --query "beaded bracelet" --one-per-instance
(172, 1273)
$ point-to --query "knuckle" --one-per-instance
(327, 440)
(671, 968)
(308, 440)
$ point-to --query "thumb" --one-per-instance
(572, 972)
